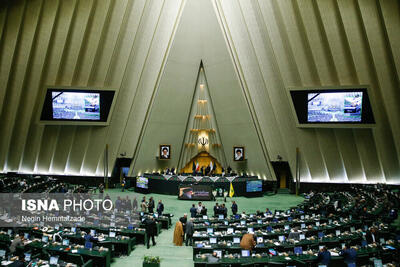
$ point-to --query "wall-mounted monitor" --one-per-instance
(332, 107)
(142, 182)
(69, 105)
(254, 186)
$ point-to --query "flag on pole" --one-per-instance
(231, 191)
(211, 166)
(197, 166)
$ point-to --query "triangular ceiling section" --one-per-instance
(199, 38)
(202, 132)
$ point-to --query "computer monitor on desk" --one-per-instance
(245, 253)
(213, 240)
(378, 263)
(236, 240)
(298, 250)
(53, 260)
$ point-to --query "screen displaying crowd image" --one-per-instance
(335, 107)
(142, 182)
(76, 106)
(254, 186)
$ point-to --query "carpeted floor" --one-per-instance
(182, 256)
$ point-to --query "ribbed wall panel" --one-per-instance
(330, 43)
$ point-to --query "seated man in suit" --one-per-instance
(372, 236)
(350, 255)
(213, 258)
(17, 242)
(90, 238)
(295, 235)
(324, 256)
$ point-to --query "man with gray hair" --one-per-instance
(189, 232)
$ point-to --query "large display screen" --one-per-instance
(195, 192)
(334, 107)
(75, 106)
(253, 186)
(142, 182)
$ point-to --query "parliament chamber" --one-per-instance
(181, 133)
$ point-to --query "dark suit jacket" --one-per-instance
(151, 227)
(216, 210)
(234, 208)
(370, 239)
(349, 255)
(189, 228)
(193, 212)
(324, 257)
(160, 208)
(15, 243)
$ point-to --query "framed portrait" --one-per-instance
(238, 153)
(165, 152)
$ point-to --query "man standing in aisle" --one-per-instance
(189, 232)
(151, 229)
(193, 211)
(234, 208)
(160, 208)
(151, 205)
(123, 183)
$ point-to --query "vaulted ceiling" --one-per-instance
(150, 51)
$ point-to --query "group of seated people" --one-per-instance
(24, 242)
(32, 185)
(203, 171)
(327, 228)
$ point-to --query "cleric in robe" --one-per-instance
(165, 152)
(239, 153)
